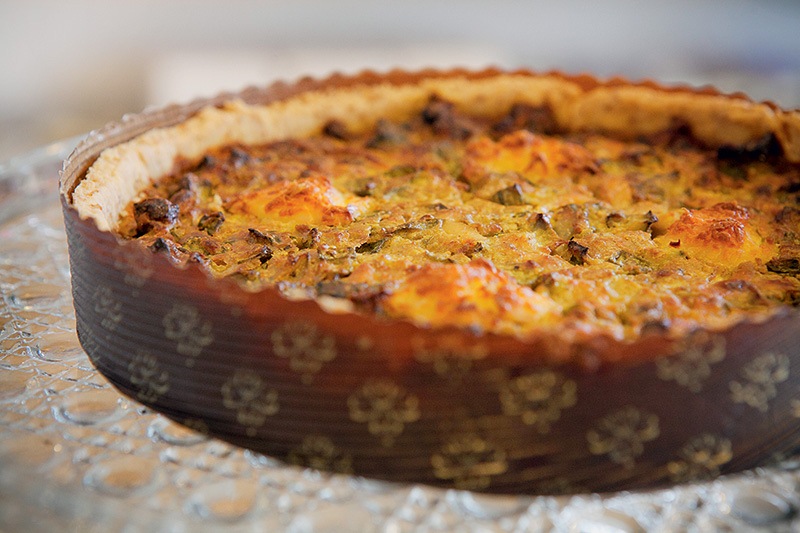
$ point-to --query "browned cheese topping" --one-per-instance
(501, 226)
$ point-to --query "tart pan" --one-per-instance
(345, 393)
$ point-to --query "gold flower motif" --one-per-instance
(319, 452)
(451, 356)
(538, 398)
(692, 364)
(92, 349)
(760, 378)
(146, 374)
(385, 408)
(365, 343)
(184, 325)
(701, 458)
(306, 348)
(77, 247)
(107, 307)
(558, 486)
(136, 265)
(198, 425)
(622, 434)
(469, 461)
(245, 393)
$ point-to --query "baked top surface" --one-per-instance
(502, 224)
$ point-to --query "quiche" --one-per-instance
(499, 281)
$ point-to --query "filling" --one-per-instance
(506, 226)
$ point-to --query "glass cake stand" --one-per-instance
(76, 455)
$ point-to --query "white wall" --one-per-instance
(66, 67)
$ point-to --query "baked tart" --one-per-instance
(496, 281)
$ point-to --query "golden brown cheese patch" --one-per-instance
(287, 204)
(722, 233)
(474, 295)
(533, 156)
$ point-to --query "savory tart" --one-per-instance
(333, 270)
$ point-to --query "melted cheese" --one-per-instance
(511, 234)
(474, 295)
(306, 201)
(721, 234)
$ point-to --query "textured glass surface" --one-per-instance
(76, 455)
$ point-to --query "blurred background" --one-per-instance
(69, 67)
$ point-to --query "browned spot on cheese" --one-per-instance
(720, 233)
(466, 296)
(533, 156)
(306, 201)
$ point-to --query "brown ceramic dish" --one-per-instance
(395, 401)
